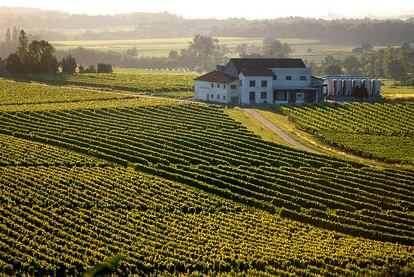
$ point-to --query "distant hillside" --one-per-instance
(54, 25)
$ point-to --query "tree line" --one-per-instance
(391, 62)
(38, 57)
(202, 53)
(156, 25)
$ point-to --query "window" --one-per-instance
(218, 85)
(224, 86)
(212, 96)
(218, 96)
(303, 78)
(263, 95)
(212, 85)
(264, 84)
(233, 86)
(224, 97)
(274, 77)
(288, 78)
(252, 84)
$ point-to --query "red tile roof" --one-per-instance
(216, 77)
(258, 72)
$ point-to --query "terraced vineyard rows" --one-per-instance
(135, 82)
(92, 104)
(21, 152)
(59, 221)
(14, 93)
(381, 131)
(202, 147)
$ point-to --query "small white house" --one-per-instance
(259, 80)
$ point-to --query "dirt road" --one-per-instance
(279, 132)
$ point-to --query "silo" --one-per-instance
(354, 85)
(339, 87)
(330, 87)
(367, 83)
(372, 91)
(334, 87)
(349, 86)
(344, 87)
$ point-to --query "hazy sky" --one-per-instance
(227, 8)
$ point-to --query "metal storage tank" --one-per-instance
(330, 87)
(349, 92)
(368, 85)
(334, 87)
(354, 85)
(343, 87)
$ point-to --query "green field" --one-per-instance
(162, 46)
(397, 93)
(181, 188)
(380, 131)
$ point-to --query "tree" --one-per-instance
(42, 59)
(203, 47)
(104, 68)
(173, 55)
(357, 92)
(132, 52)
(241, 48)
(333, 69)
(273, 48)
(23, 47)
(396, 70)
(405, 46)
(363, 91)
(68, 65)
(90, 69)
(8, 36)
(81, 69)
(2, 67)
(250, 56)
(15, 34)
(14, 64)
(351, 65)
(367, 47)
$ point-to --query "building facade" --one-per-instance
(256, 81)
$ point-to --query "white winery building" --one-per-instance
(259, 80)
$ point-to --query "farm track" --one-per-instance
(279, 132)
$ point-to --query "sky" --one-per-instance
(228, 8)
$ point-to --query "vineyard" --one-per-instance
(380, 131)
(21, 152)
(14, 93)
(145, 81)
(59, 221)
(201, 146)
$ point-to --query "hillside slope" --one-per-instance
(60, 221)
(201, 146)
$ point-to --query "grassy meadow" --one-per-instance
(310, 49)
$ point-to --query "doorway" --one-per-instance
(252, 97)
